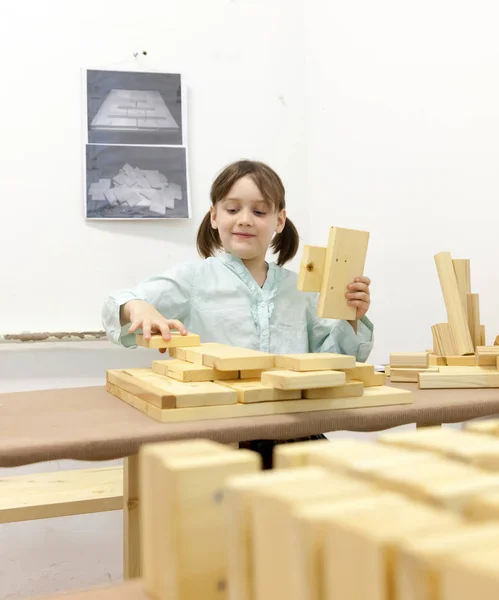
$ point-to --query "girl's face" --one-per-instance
(245, 221)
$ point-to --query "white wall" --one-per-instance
(402, 130)
(243, 66)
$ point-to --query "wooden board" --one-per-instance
(345, 259)
(321, 361)
(473, 313)
(458, 380)
(436, 361)
(472, 573)
(249, 391)
(444, 339)
(232, 358)
(195, 354)
(463, 276)
(188, 372)
(295, 380)
(486, 356)
(460, 361)
(456, 315)
(311, 268)
(366, 374)
(376, 396)
(415, 360)
(177, 340)
(352, 389)
(409, 375)
(168, 393)
(484, 507)
(486, 426)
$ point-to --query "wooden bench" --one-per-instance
(60, 494)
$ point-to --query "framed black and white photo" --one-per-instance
(131, 107)
(136, 182)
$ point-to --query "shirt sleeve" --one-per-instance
(337, 336)
(170, 293)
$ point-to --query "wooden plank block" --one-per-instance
(366, 374)
(486, 356)
(295, 380)
(239, 492)
(289, 456)
(484, 507)
(249, 391)
(232, 358)
(60, 494)
(345, 259)
(415, 360)
(250, 374)
(177, 340)
(188, 372)
(168, 393)
(455, 310)
(473, 312)
(436, 361)
(321, 361)
(352, 389)
(461, 361)
(273, 534)
(311, 268)
(447, 341)
(485, 426)
(458, 380)
(151, 513)
(375, 396)
(360, 544)
(496, 341)
(419, 559)
(409, 375)
(470, 573)
(463, 276)
(437, 342)
(483, 341)
(191, 542)
(195, 354)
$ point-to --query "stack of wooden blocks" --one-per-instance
(412, 516)
(208, 381)
(460, 357)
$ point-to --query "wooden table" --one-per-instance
(90, 424)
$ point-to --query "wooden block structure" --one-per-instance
(411, 516)
(330, 270)
(214, 381)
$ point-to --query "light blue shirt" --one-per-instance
(219, 299)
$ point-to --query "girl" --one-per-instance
(235, 296)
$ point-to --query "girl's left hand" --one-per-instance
(359, 295)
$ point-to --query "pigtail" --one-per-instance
(286, 243)
(208, 239)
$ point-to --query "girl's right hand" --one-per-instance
(143, 315)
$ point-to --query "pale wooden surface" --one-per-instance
(131, 518)
(311, 269)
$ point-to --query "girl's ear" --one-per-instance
(281, 221)
(213, 217)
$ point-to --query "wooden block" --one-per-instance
(191, 542)
(437, 343)
(486, 426)
(352, 389)
(419, 360)
(151, 514)
(461, 361)
(419, 559)
(446, 339)
(177, 340)
(168, 393)
(250, 374)
(496, 341)
(189, 372)
(455, 310)
(345, 259)
(360, 544)
(486, 356)
(321, 361)
(60, 494)
(288, 456)
(366, 374)
(436, 361)
(294, 380)
(409, 375)
(232, 358)
(484, 507)
(387, 370)
(239, 492)
(458, 380)
(375, 396)
(178, 353)
(463, 276)
(311, 268)
(483, 341)
(195, 355)
(273, 539)
(473, 303)
(250, 390)
(471, 573)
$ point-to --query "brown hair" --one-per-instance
(284, 244)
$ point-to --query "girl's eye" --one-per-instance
(231, 211)
(259, 213)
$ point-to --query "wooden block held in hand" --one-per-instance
(294, 380)
(311, 269)
(177, 340)
(345, 259)
(453, 303)
(321, 361)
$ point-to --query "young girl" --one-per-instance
(235, 296)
